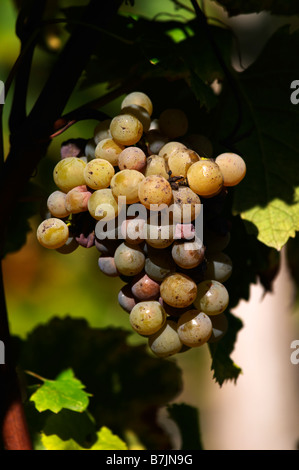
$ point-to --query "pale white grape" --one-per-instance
(126, 183)
(205, 178)
(140, 113)
(194, 328)
(140, 99)
(148, 317)
(126, 129)
(77, 199)
(178, 290)
(232, 167)
(69, 173)
(52, 233)
(154, 190)
(212, 297)
(129, 259)
(180, 161)
(56, 204)
(132, 158)
(102, 204)
(98, 173)
(219, 267)
(156, 166)
(109, 149)
(166, 342)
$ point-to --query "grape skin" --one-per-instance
(109, 150)
(129, 259)
(126, 299)
(126, 129)
(171, 147)
(154, 190)
(98, 173)
(232, 167)
(77, 199)
(205, 178)
(166, 342)
(219, 267)
(158, 265)
(180, 161)
(194, 328)
(178, 290)
(107, 266)
(187, 255)
(186, 204)
(132, 158)
(140, 99)
(125, 183)
(102, 204)
(145, 288)
(56, 204)
(156, 166)
(212, 297)
(140, 113)
(52, 233)
(133, 231)
(146, 318)
(69, 173)
(159, 236)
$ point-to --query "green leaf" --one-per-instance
(268, 140)
(223, 366)
(106, 440)
(64, 392)
(187, 419)
(278, 7)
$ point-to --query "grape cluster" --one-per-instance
(173, 279)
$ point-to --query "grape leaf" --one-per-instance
(277, 7)
(64, 392)
(106, 440)
(268, 139)
(187, 419)
(223, 366)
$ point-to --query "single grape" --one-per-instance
(77, 199)
(52, 233)
(200, 144)
(171, 147)
(232, 167)
(194, 328)
(126, 129)
(98, 173)
(212, 297)
(145, 288)
(107, 266)
(180, 161)
(132, 158)
(146, 318)
(155, 141)
(102, 204)
(125, 183)
(186, 204)
(69, 247)
(219, 267)
(173, 123)
(56, 205)
(205, 178)
(166, 342)
(140, 113)
(126, 299)
(178, 290)
(140, 99)
(129, 259)
(187, 255)
(154, 190)
(109, 149)
(69, 173)
(102, 131)
(156, 166)
(220, 327)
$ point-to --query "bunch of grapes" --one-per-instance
(170, 255)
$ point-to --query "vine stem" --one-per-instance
(13, 425)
